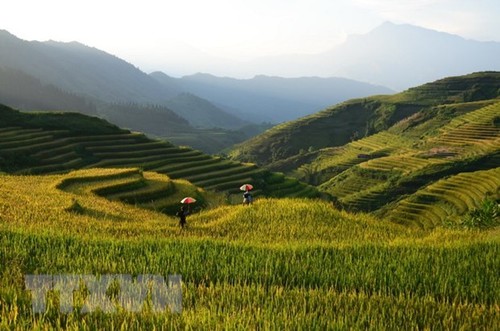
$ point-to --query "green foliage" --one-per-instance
(496, 121)
(287, 139)
(487, 216)
(468, 88)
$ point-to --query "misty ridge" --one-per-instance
(398, 56)
(222, 111)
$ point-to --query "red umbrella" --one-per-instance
(246, 187)
(188, 200)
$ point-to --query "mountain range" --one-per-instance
(398, 56)
(270, 99)
(104, 78)
(198, 108)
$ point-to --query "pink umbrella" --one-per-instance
(246, 187)
(188, 200)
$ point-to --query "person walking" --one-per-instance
(182, 213)
(247, 198)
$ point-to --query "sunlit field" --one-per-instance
(276, 264)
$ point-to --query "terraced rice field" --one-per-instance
(59, 151)
(143, 189)
(353, 184)
(360, 186)
(380, 141)
(475, 132)
(447, 199)
(280, 264)
(404, 163)
(339, 159)
(360, 151)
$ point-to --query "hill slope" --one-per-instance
(47, 143)
(359, 118)
(22, 91)
(97, 75)
(73, 77)
(202, 114)
(412, 141)
(80, 69)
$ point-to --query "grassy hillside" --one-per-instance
(51, 143)
(360, 118)
(442, 131)
(278, 264)
(376, 172)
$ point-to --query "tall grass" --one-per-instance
(311, 286)
(277, 264)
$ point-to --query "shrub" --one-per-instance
(486, 216)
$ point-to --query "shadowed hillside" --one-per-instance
(95, 74)
(80, 69)
(202, 114)
(23, 91)
(271, 99)
(41, 143)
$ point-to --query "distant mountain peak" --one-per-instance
(406, 29)
(403, 55)
(69, 43)
(201, 75)
(5, 33)
(160, 74)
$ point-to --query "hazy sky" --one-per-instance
(160, 35)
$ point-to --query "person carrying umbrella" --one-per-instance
(247, 197)
(184, 210)
(182, 213)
